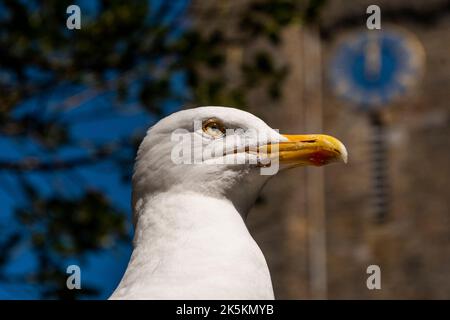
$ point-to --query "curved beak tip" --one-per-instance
(313, 149)
(342, 150)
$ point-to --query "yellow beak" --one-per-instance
(311, 149)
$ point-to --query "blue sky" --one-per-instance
(104, 269)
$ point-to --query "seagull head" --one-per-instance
(222, 152)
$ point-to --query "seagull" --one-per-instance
(196, 176)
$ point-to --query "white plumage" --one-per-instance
(191, 241)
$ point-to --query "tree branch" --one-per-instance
(35, 164)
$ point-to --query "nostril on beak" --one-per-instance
(309, 141)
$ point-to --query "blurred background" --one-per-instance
(74, 105)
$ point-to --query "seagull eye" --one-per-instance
(213, 128)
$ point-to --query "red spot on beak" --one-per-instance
(320, 158)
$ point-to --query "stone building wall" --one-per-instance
(412, 246)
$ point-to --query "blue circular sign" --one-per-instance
(372, 68)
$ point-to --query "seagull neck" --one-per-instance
(171, 215)
(196, 245)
